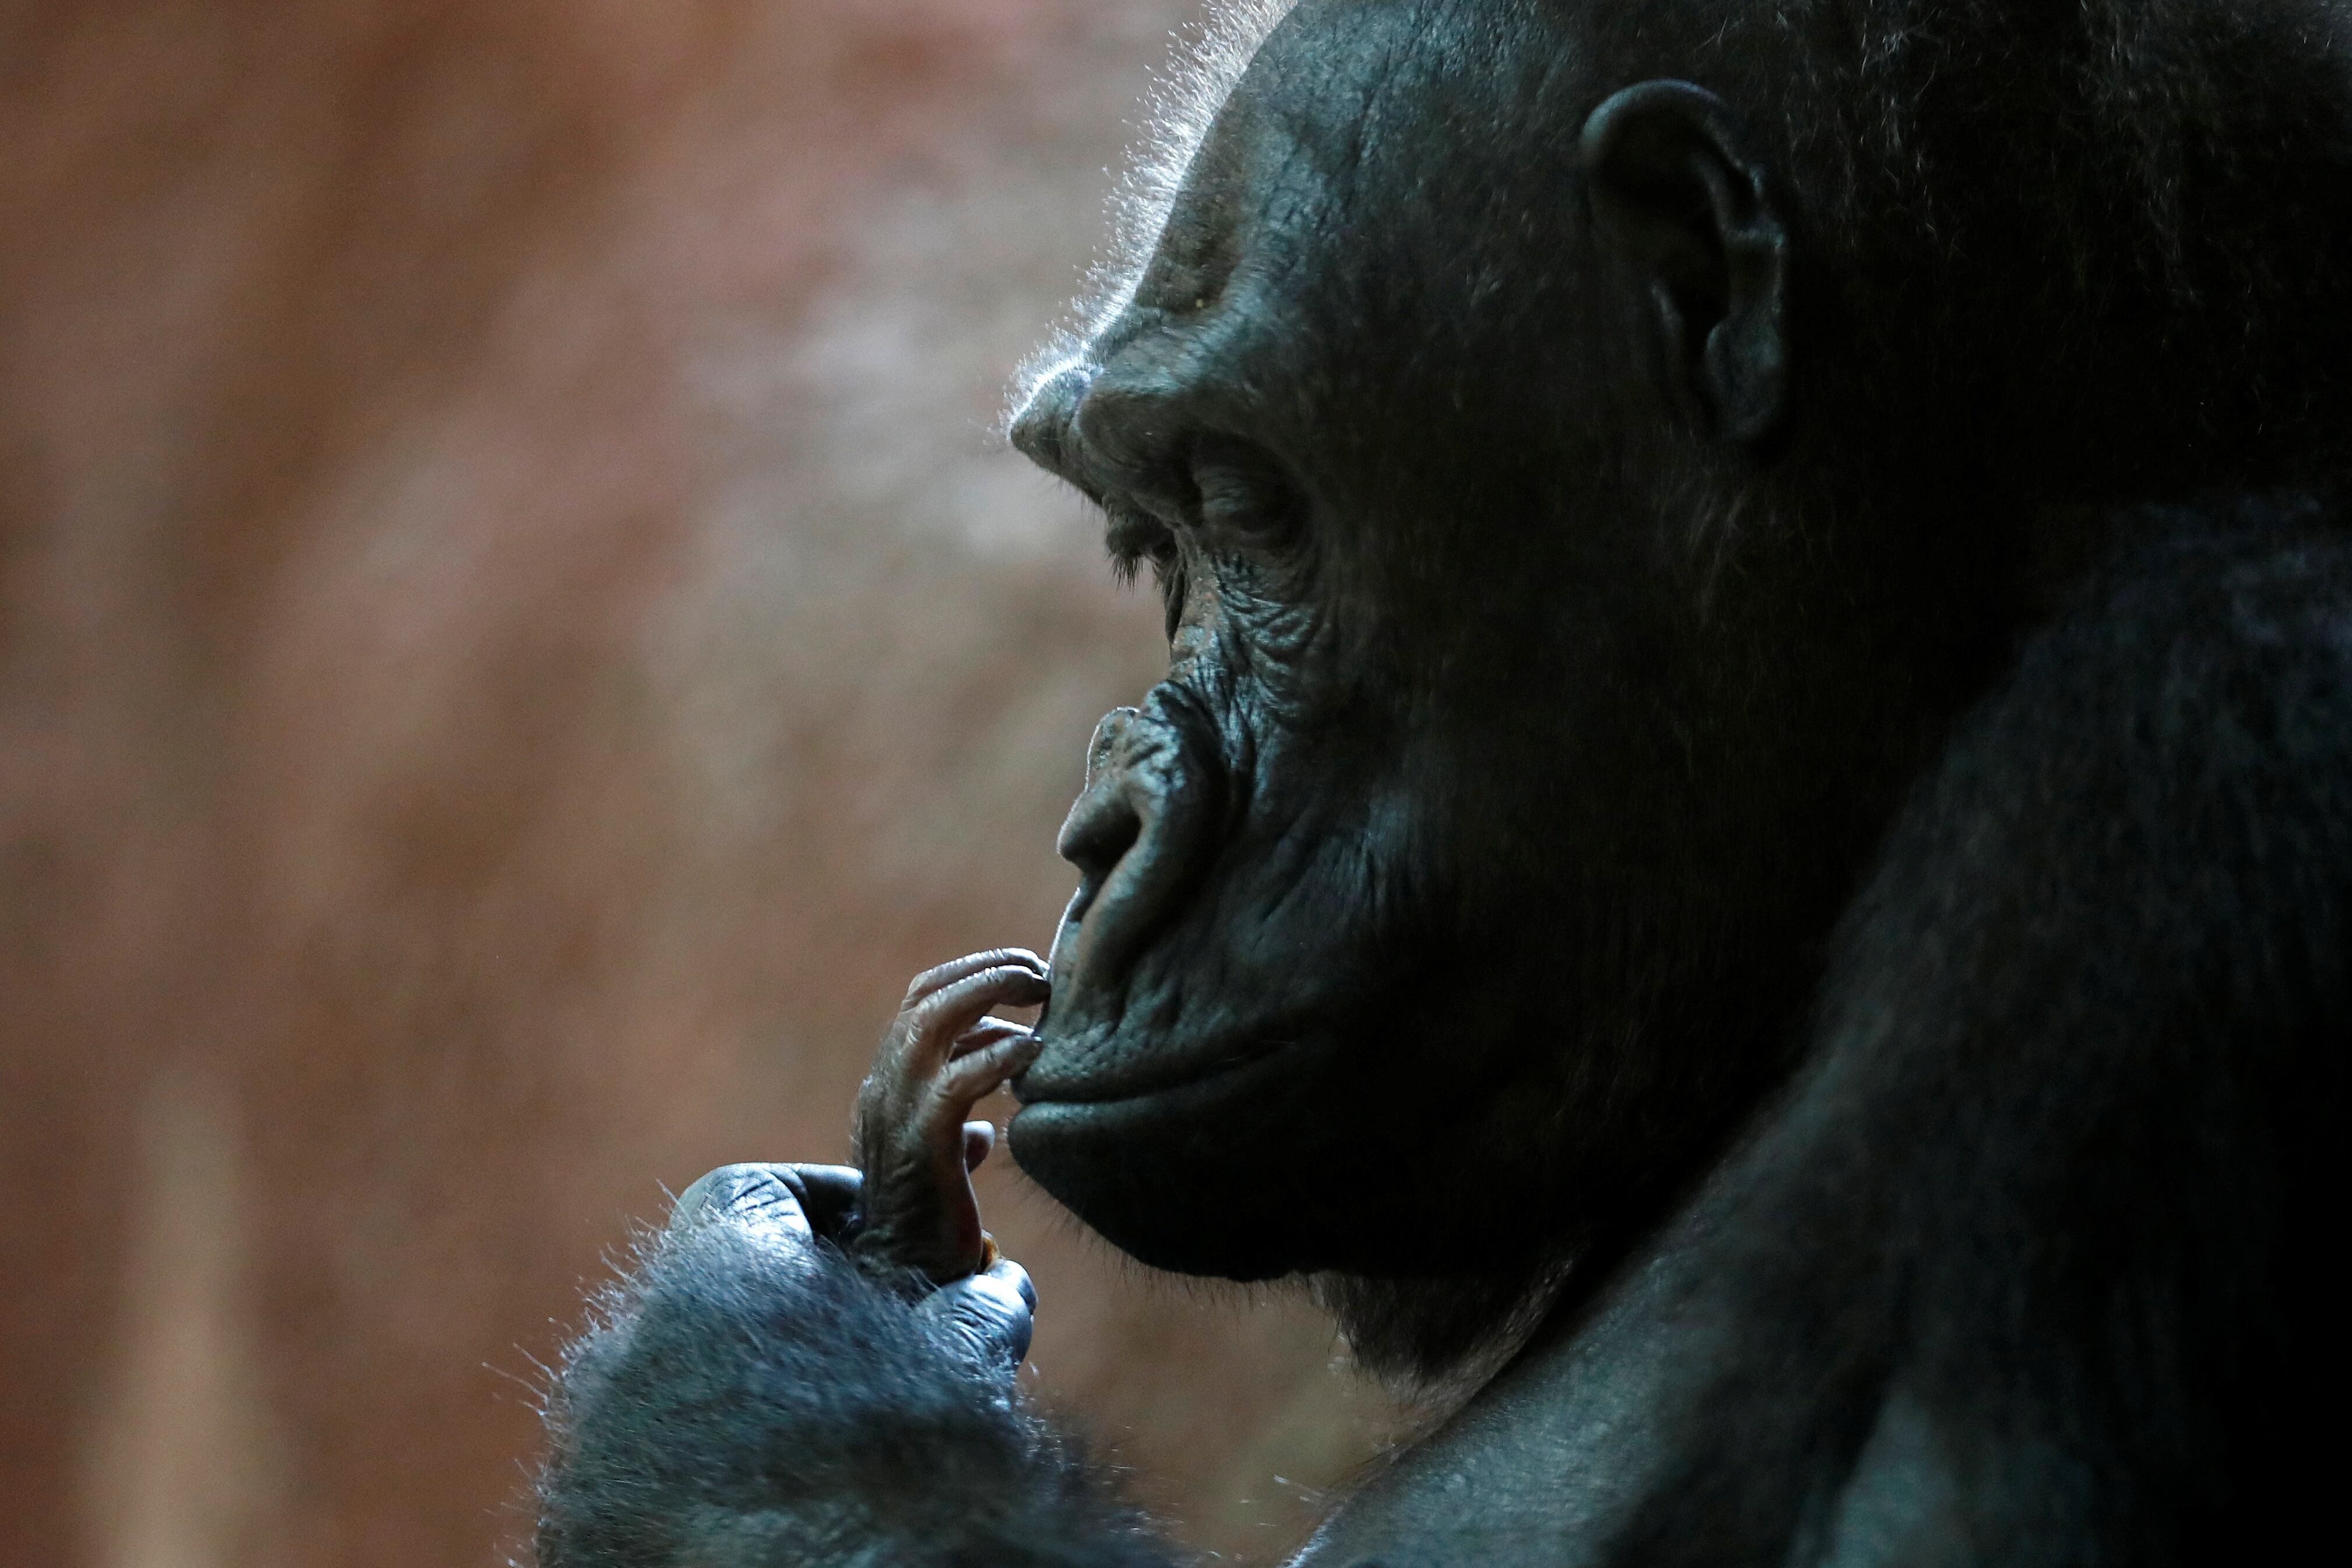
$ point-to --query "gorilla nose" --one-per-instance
(1104, 822)
(1102, 827)
(1131, 832)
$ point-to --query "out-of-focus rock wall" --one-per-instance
(516, 639)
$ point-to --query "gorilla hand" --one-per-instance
(809, 1366)
(984, 1318)
(941, 1057)
(747, 1397)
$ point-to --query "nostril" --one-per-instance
(1102, 827)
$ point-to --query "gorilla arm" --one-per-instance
(809, 1366)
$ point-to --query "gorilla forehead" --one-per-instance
(1329, 137)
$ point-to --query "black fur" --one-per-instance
(2048, 1185)
(738, 1403)
(1773, 660)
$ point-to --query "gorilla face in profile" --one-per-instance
(1749, 828)
(1533, 695)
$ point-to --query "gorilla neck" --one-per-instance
(1443, 1337)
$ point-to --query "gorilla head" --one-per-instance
(1582, 500)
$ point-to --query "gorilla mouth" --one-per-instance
(1099, 1069)
(1129, 1040)
(1108, 1033)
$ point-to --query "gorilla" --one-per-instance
(1746, 854)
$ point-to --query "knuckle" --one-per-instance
(955, 1086)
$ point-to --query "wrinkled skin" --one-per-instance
(983, 1313)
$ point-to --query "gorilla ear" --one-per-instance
(1674, 192)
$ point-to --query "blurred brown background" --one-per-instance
(516, 639)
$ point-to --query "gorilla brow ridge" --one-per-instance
(1206, 60)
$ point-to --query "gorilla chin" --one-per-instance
(1154, 1171)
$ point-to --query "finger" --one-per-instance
(987, 1032)
(914, 1047)
(911, 1049)
(947, 1012)
(978, 1138)
(968, 1080)
(944, 975)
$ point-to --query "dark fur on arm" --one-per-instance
(739, 1404)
